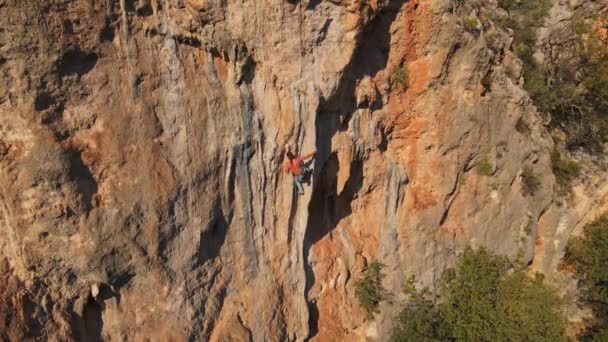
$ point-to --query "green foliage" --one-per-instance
(419, 320)
(565, 170)
(578, 24)
(506, 4)
(369, 290)
(526, 17)
(588, 257)
(530, 182)
(485, 168)
(506, 22)
(535, 83)
(595, 334)
(400, 77)
(470, 23)
(573, 88)
(486, 299)
(491, 38)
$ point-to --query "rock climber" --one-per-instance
(298, 168)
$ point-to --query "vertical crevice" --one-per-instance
(327, 207)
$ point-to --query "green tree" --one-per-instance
(486, 297)
(573, 87)
(528, 310)
(489, 298)
(419, 320)
(588, 257)
(369, 290)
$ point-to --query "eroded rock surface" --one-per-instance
(141, 142)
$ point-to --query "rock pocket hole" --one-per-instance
(107, 33)
(76, 61)
(43, 101)
(83, 178)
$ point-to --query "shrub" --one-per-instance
(506, 4)
(506, 22)
(419, 320)
(470, 24)
(565, 170)
(578, 24)
(369, 290)
(491, 39)
(536, 85)
(400, 77)
(573, 89)
(588, 257)
(486, 298)
(485, 168)
(530, 182)
(595, 334)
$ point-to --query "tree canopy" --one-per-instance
(486, 297)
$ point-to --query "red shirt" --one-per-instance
(294, 166)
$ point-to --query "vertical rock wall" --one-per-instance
(141, 142)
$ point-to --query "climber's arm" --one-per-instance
(307, 156)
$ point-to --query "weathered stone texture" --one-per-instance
(141, 144)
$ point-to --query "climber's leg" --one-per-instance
(298, 181)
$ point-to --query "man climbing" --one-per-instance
(298, 168)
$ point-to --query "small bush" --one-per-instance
(506, 22)
(565, 170)
(491, 40)
(470, 24)
(419, 320)
(536, 84)
(579, 25)
(485, 168)
(506, 4)
(530, 182)
(588, 257)
(400, 77)
(369, 290)
(573, 89)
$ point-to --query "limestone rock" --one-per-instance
(141, 145)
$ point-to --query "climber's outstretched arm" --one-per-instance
(311, 154)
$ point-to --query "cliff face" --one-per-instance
(141, 143)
